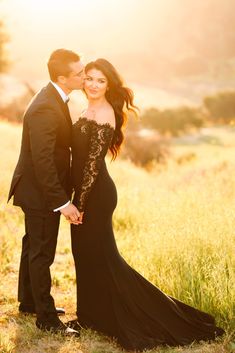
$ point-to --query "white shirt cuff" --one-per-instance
(60, 208)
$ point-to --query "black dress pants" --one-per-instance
(38, 252)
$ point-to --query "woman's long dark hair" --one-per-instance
(118, 96)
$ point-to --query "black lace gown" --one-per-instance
(112, 297)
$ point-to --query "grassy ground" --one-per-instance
(175, 226)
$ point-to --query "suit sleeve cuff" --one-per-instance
(61, 207)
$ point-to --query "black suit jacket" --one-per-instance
(41, 180)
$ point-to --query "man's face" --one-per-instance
(75, 79)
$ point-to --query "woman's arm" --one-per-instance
(100, 139)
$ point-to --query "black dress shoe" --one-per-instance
(54, 325)
(74, 324)
(30, 309)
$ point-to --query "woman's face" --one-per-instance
(95, 84)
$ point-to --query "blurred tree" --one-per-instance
(221, 107)
(145, 151)
(174, 121)
(4, 38)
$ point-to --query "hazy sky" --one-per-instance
(151, 42)
(95, 28)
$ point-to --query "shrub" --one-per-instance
(145, 150)
(221, 107)
(174, 121)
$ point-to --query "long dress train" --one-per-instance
(112, 297)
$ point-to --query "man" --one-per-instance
(41, 186)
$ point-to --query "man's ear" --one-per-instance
(61, 79)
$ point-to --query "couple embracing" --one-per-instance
(112, 297)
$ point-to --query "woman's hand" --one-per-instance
(80, 218)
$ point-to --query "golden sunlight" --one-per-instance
(157, 46)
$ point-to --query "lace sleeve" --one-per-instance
(100, 139)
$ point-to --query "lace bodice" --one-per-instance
(95, 139)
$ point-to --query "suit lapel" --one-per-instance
(67, 113)
(64, 107)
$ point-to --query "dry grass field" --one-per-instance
(175, 225)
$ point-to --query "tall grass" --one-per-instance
(175, 226)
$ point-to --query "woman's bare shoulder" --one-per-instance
(106, 116)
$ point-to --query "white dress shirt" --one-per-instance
(60, 91)
(65, 99)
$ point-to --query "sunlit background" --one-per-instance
(176, 165)
(171, 52)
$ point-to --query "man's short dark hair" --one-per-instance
(58, 63)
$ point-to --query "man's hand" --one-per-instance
(71, 213)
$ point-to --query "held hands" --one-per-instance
(72, 214)
(81, 217)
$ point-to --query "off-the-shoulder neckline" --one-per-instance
(94, 122)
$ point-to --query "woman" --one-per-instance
(112, 297)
